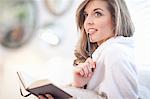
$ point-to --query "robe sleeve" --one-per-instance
(120, 80)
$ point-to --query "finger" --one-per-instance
(89, 71)
(81, 72)
(49, 96)
(91, 62)
(89, 68)
(86, 70)
(41, 97)
(94, 64)
(83, 69)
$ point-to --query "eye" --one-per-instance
(85, 15)
(98, 13)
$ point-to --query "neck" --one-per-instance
(100, 42)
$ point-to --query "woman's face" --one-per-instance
(98, 21)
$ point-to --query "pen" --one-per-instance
(89, 48)
(89, 53)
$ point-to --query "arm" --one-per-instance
(80, 93)
(120, 75)
(125, 78)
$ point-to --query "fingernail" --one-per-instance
(94, 65)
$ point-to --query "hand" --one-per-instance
(83, 73)
(46, 96)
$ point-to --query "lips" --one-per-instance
(91, 30)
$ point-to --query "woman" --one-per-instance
(110, 30)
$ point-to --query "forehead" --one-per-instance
(92, 4)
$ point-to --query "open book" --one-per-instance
(41, 87)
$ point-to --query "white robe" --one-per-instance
(115, 74)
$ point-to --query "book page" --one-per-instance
(25, 79)
(39, 83)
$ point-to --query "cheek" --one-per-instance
(102, 29)
(105, 27)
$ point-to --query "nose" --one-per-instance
(89, 20)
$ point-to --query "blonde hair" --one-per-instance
(121, 20)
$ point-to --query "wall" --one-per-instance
(38, 58)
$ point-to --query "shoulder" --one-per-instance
(118, 47)
(118, 54)
(115, 50)
(119, 61)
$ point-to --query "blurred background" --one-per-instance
(39, 37)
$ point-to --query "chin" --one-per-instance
(92, 41)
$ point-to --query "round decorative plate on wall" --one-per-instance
(58, 7)
(17, 22)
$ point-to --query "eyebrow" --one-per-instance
(98, 9)
(95, 10)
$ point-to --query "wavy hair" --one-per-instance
(121, 20)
